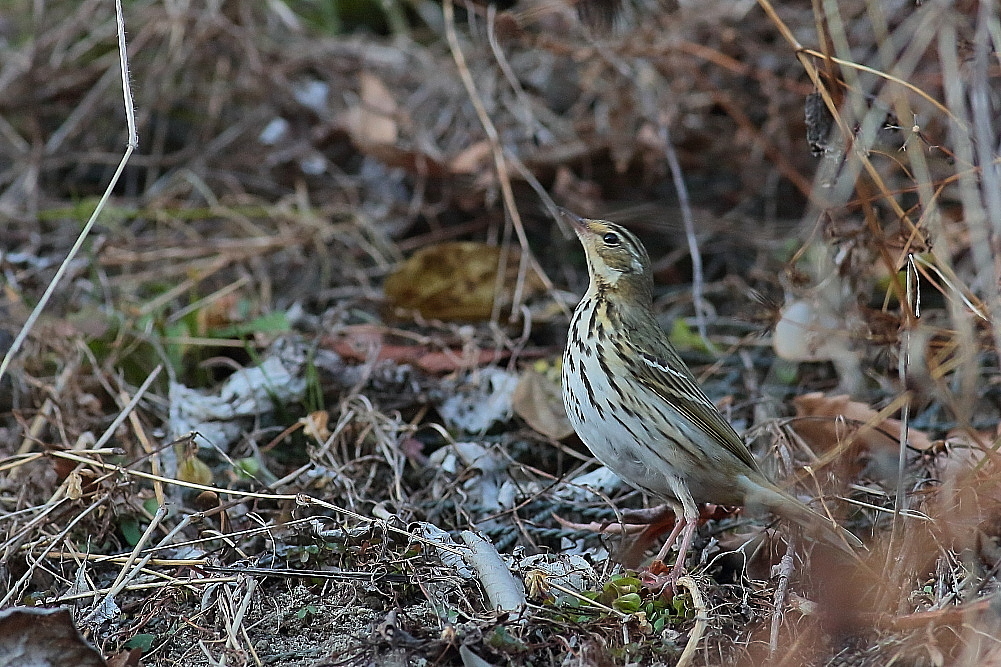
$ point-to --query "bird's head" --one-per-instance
(616, 259)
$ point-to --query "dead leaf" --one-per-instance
(962, 454)
(539, 401)
(315, 425)
(126, 658)
(33, 637)
(472, 159)
(192, 469)
(826, 421)
(219, 314)
(365, 343)
(377, 127)
(454, 281)
(854, 434)
(373, 121)
(74, 486)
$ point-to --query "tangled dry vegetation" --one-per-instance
(334, 258)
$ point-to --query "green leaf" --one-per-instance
(629, 603)
(503, 640)
(270, 323)
(142, 641)
(685, 338)
(784, 372)
(308, 610)
(248, 468)
(129, 526)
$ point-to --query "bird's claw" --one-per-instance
(660, 578)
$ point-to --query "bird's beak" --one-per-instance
(577, 223)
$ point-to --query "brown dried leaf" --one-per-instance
(192, 469)
(539, 401)
(819, 425)
(366, 343)
(472, 159)
(32, 637)
(453, 281)
(315, 425)
(126, 658)
(373, 121)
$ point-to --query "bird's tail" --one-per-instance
(765, 494)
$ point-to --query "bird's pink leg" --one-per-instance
(686, 542)
(687, 529)
(671, 539)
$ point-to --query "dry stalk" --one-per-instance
(133, 143)
(785, 569)
(701, 620)
(527, 259)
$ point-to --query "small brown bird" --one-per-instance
(639, 409)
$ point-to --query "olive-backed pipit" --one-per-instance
(638, 408)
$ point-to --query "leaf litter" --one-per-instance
(296, 164)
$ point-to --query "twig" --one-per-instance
(241, 613)
(301, 498)
(527, 259)
(889, 77)
(785, 570)
(127, 410)
(15, 590)
(504, 591)
(100, 611)
(133, 143)
(698, 281)
(193, 581)
(47, 407)
(903, 361)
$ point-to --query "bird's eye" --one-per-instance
(611, 238)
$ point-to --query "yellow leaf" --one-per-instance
(194, 471)
(454, 281)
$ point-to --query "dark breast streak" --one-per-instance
(621, 363)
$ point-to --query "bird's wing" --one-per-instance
(662, 371)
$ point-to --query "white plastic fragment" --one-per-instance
(221, 418)
(806, 333)
(313, 94)
(448, 556)
(571, 571)
(488, 489)
(811, 330)
(601, 480)
(476, 406)
(276, 129)
(505, 592)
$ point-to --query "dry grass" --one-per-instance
(289, 159)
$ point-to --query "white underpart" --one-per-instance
(623, 451)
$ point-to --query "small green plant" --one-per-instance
(627, 594)
(307, 612)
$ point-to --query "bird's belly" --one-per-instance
(627, 453)
(626, 432)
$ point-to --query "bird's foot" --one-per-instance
(660, 578)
